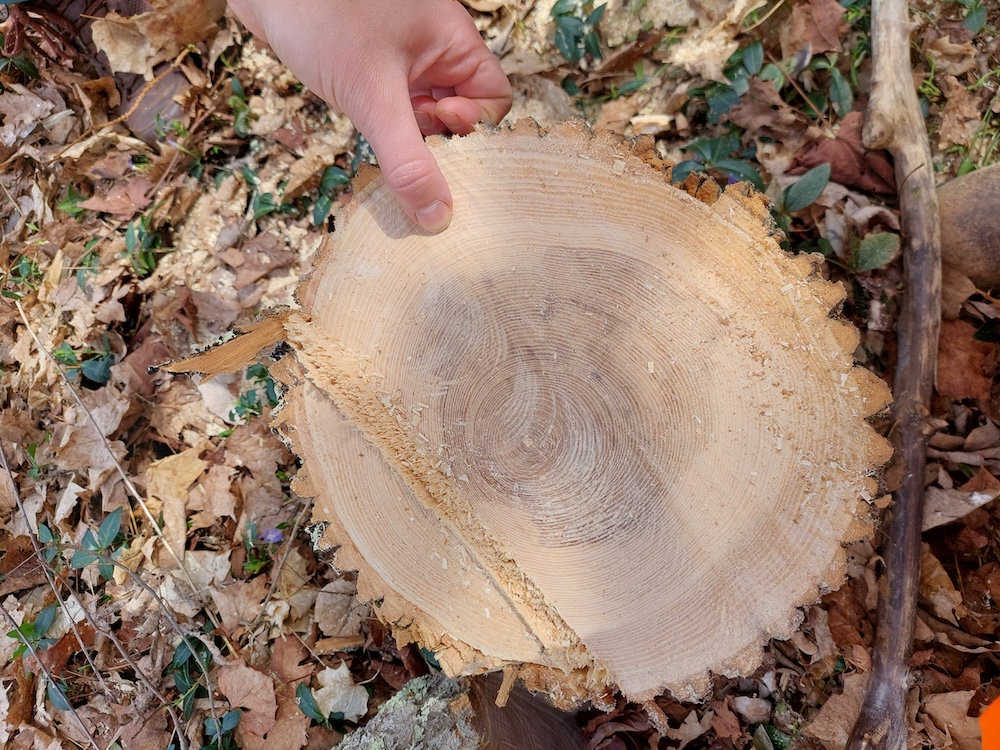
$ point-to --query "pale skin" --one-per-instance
(400, 70)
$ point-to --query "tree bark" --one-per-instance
(894, 122)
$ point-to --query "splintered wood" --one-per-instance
(598, 432)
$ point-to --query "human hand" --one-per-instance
(399, 69)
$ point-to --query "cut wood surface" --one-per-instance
(598, 432)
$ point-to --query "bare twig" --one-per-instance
(894, 122)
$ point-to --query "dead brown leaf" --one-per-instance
(944, 506)
(762, 112)
(725, 723)
(950, 58)
(937, 588)
(338, 612)
(832, 726)
(253, 691)
(851, 164)
(257, 258)
(20, 567)
(169, 480)
(239, 602)
(135, 44)
(123, 201)
(690, 729)
(22, 111)
(80, 448)
(982, 481)
(960, 117)
(966, 366)
(816, 25)
(212, 499)
(948, 714)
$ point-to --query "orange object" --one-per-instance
(989, 725)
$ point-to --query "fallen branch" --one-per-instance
(894, 122)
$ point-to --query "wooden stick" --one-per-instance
(894, 122)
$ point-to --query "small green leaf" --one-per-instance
(741, 170)
(720, 101)
(321, 209)
(45, 533)
(571, 25)
(976, 19)
(772, 72)
(874, 251)
(217, 728)
(131, 238)
(45, 619)
(57, 697)
(596, 15)
(680, 171)
(966, 166)
(806, 189)
(106, 569)
(263, 205)
(562, 7)
(333, 177)
(761, 739)
(779, 740)
(307, 703)
(841, 95)
(753, 57)
(97, 370)
(65, 355)
(592, 43)
(568, 45)
(81, 559)
(109, 528)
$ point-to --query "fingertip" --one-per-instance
(434, 218)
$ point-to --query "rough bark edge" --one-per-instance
(894, 122)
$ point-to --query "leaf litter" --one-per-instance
(151, 204)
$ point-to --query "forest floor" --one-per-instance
(164, 177)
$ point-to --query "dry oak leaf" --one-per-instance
(169, 480)
(944, 506)
(79, 448)
(123, 201)
(937, 588)
(948, 713)
(966, 366)
(339, 693)
(950, 58)
(691, 728)
(816, 25)
(239, 602)
(725, 723)
(22, 112)
(832, 726)
(135, 44)
(960, 117)
(762, 111)
(851, 164)
(338, 612)
(253, 691)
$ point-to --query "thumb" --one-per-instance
(408, 167)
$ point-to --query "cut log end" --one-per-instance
(599, 430)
